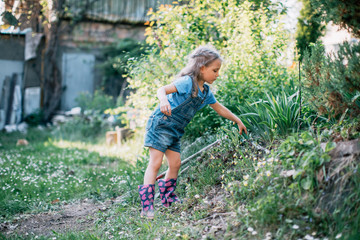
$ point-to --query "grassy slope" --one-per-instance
(233, 191)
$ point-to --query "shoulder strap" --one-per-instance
(194, 86)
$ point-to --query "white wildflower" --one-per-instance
(295, 226)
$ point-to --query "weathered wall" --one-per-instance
(87, 41)
(95, 34)
(12, 47)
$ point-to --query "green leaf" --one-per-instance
(330, 146)
(306, 183)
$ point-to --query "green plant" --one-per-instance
(86, 127)
(239, 30)
(309, 27)
(276, 115)
(99, 101)
(342, 13)
(35, 118)
(115, 66)
(332, 82)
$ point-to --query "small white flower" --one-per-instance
(197, 196)
(338, 236)
(308, 237)
(254, 232)
(250, 229)
(295, 226)
(246, 177)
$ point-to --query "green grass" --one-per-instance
(233, 178)
(36, 176)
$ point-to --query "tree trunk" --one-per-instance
(52, 87)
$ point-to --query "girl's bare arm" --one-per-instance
(226, 113)
(165, 107)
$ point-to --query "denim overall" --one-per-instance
(164, 132)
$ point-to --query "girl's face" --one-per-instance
(211, 72)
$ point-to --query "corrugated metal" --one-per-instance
(116, 10)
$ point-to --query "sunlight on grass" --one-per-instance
(128, 151)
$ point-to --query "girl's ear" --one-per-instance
(202, 69)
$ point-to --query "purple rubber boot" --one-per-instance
(147, 193)
(167, 189)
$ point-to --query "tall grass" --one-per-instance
(276, 115)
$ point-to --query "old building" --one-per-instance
(84, 29)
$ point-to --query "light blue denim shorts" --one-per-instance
(163, 132)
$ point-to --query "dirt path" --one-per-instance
(71, 217)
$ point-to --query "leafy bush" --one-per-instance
(87, 127)
(332, 82)
(35, 118)
(309, 27)
(252, 41)
(97, 102)
(115, 66)
(342, 13)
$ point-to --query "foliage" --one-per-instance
(309, 27)
(292, 187)
(276, 116)
(115, 66)
(332, 82)
(88, 126)
(252, 41)
(343, 13)
(99, 101)
(35, 118)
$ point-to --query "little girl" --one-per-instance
(179, 101)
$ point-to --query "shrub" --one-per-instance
(252, 40)
(97, 102)
(115, 66)
(332, 82)
(343, 13)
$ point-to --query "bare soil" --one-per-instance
(71, 217)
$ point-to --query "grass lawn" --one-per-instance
(234, 191)
(45, 173)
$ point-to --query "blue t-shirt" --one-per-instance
(184, 86)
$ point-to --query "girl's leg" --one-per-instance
(174, 162)
(152, 169)
(167, 185)
(147, 191)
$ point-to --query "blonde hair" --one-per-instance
(201, 56)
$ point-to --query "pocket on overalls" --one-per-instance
(164, 122)
(149, 123)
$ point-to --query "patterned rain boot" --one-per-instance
(167, 189)
(147, 193)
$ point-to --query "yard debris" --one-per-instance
(59, 119)
(118, 136)
(74, 111)
(22, 142)
(21, 127)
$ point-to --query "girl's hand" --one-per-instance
(241, 127)
(165, 107)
